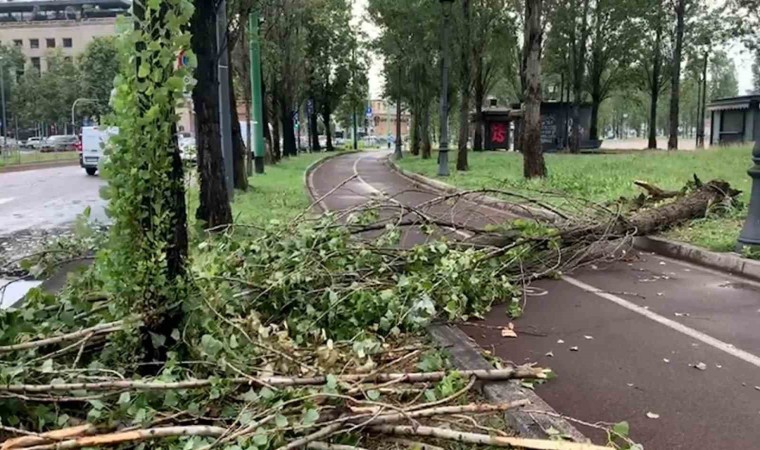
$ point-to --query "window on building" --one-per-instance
(34, 43)
(18, 42)
(36, 63)
(67, 43)
(50, 42)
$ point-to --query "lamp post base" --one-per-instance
(258, 164)
(397, 154)
(750, 235)
(443, 162)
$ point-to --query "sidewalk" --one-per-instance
(640, 326)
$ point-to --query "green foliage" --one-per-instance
(99, 65)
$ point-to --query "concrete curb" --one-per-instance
(726, 262)
(35, 166)
(533, 424)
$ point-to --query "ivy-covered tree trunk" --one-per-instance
(238, 146)
(146, 263)
(214, 206)
(533, 155)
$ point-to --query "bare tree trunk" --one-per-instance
(427, 147)
(288, 133)
(465, 90)
(266, 109)
(477, 142)
(328, 132)
(238, 146)
(580, 68)
(415, 132)
(533, 155)
(314, 129)
(701, 107)
(214, 206)
(655, 87)
(675, 83)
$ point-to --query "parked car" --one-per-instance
(33, 143)
(94, 139)
(60, 143)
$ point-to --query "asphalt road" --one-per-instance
(47, 198)
(670, 347)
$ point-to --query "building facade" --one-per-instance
(66, 27)
(382, 119)
(734, 120)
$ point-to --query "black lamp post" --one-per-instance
(397, 152)
(751, 233)
(443, 150)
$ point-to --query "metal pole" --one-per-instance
(225, 116)
(443, 149)
(2, 93)
(750, 235)
(258, 101)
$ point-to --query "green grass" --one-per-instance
(278, 194)
(604, 178)
(15, 158)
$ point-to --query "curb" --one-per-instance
(42, 165)
(532, 424)
(726, 262)
(465, 354)
(307, 174)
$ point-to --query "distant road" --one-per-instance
(47, 198)
(641, 144)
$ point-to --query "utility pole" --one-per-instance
(258, 101)
(225, 116)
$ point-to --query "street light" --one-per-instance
(397, 152)
(73, 108)
(750, 236)
(443, 149)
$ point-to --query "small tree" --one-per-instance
(98, 66)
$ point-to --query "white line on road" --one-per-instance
(6, 200)
(672, 324)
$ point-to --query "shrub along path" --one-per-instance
(628, 340)
(606, 178)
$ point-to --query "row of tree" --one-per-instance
(578, 51)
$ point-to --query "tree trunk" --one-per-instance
(266, 110)
(654, 93)
(533, 155)
(415, 132)
(465, 90)
(160, 311)
(596, 103)
(675, 84)
(580, 68)
(701, 106)
(427, 147)
(276, 148)
(314, 129)
(288, 134)
(240, 178)
(214, 206)
(328, 132)
(477, 142)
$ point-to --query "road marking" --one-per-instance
(6, 200)
(359, 177)
(672, 324)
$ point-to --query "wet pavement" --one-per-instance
(670, 347)
(47, 198)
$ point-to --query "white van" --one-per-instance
(94, 140)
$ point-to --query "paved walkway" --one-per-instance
(640, 326)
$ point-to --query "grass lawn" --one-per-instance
(608, 177)
(14, 158)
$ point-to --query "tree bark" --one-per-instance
(579, 69)
(654, 93)
(477, 141)
(415, 132)
(427, 147)
(240, 175)
(288, 134)
(214, 206)
(160, 312)
(533, 155)
(701, 107)
(328, 132)
(266, 113)
(314, 129)
(465, 90)
(675, 83)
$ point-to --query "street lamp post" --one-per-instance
(397, 152)
(443, 149)
(750, 236)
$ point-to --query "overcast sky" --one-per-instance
(742, 58)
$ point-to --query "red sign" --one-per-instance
(499, 133)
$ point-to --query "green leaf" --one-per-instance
(47, 366)
(211, 346)
(251, 396)
(281, 421)
(124, 398)
(621, 429)
(373, 395)
(260, 439)
(310, 416)
(233, 342)
(144, 70)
